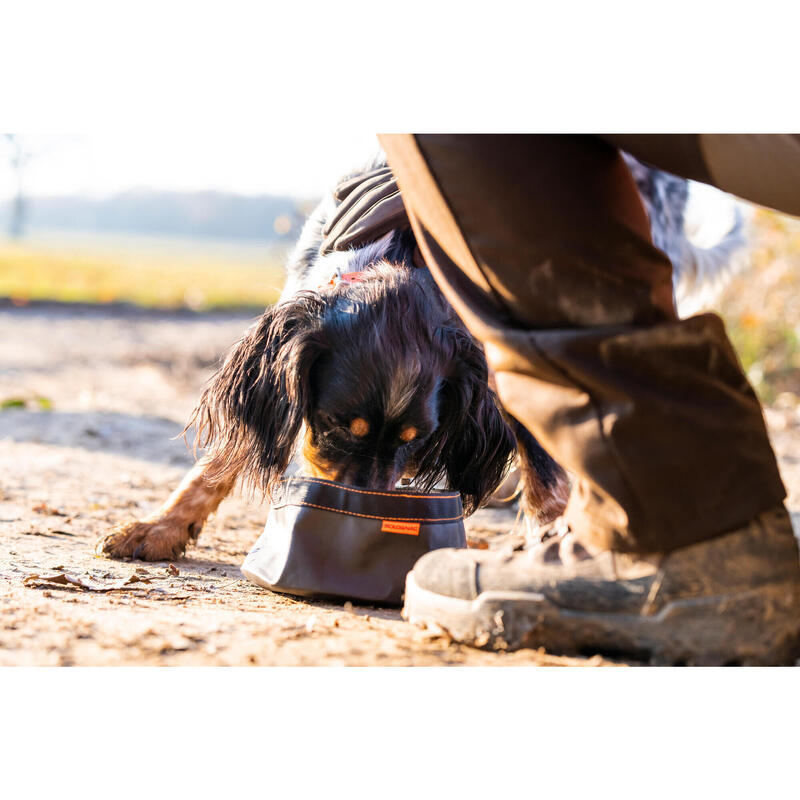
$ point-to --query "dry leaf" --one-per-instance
(43, 508)
(173, 570)
(477, 544)
(63, 580)
(137, 579)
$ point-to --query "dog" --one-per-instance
(363, 374)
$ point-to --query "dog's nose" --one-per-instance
(383, 477)
(374, 474)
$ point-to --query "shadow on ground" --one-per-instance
(141, 437)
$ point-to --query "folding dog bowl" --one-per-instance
(328, 539)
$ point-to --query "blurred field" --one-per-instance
(761, 307)
(761, 304)
(148, 271)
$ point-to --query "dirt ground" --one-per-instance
(93, 400)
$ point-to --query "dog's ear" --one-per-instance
(545, 483)
(473, 446)
(251, 413)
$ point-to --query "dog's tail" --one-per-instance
(701, 271)
(698, 272)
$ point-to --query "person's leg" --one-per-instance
(675, 544)
(543, 247)
(761, 167)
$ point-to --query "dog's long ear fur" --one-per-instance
(473, 446)
(251, 413)
(546, 485)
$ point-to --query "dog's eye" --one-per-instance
(408, 434)
(359, 427)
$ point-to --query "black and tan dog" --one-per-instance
(363, 374)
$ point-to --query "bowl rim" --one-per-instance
(400, 506)
(435, 495)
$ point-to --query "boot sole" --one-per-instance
(755, 628)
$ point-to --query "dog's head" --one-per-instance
(370, 381)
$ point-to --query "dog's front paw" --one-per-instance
(160, 540)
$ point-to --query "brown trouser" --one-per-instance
(543, 247)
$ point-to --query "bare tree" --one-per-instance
(19, 159)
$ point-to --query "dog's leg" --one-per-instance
(165, 534)
(546, 485)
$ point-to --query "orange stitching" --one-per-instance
(420, 496)
(370, 516)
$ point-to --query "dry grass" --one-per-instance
(761, 307)
(153, 273)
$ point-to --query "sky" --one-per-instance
(302, 164)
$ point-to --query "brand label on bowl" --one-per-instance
(396, 526)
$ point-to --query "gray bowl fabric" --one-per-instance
(328, 539)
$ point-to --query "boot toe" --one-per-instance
(449, 571)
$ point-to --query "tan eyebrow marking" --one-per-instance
(409, 433)
(359, 427)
